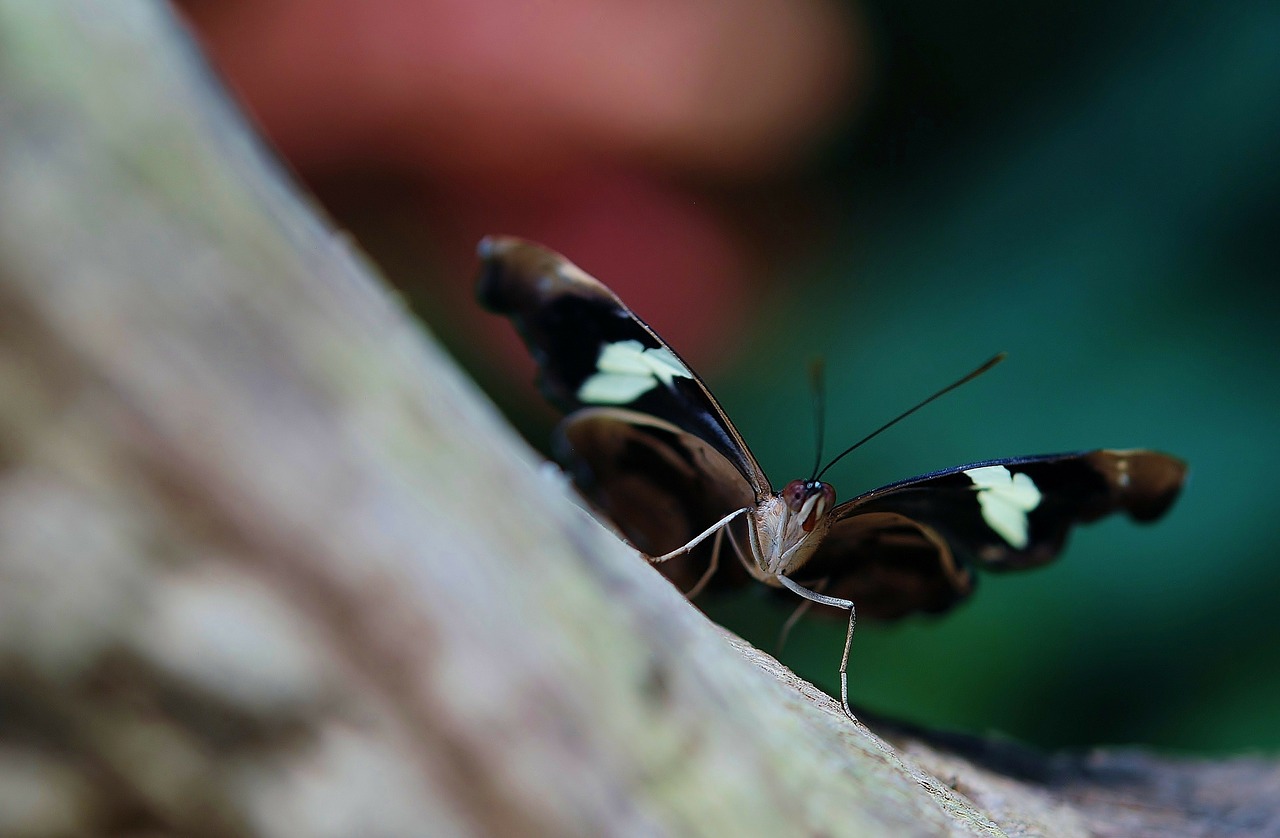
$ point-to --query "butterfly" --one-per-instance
(650, 448)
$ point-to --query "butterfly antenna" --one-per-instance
(817, 383)
(887, 425)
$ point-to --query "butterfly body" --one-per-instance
(649, 446)
(786, 528)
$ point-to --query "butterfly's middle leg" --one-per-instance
(834, 602)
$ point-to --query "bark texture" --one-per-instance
(270, 565)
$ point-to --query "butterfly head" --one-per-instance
(787, 527)
(809, 501)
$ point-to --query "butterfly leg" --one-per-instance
(700, 537)
(737, 549)
(834, 602)
(712, 566)
(800, 611)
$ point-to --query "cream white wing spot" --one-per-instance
(1005, 500)
(1122, 473)
(627, 370)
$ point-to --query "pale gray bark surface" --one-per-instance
(270, 565)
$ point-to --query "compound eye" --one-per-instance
(794, 494)
(809, 500)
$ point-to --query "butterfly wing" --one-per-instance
(658, 484)
(647, 443)
(593, 352)
(910, 546)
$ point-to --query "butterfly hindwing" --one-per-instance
(593, 352)
(658, 484)
(890, 565)
(908, 546)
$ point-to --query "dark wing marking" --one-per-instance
(659, 485)
(577, 330)
(982, 513)
(888, 565)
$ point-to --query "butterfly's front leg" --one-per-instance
(700, 537)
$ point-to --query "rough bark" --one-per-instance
(270, 565)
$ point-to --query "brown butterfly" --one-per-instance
(648, 445)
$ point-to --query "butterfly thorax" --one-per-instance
(787, 527)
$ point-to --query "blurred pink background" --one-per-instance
(624, 134)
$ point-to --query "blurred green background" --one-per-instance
(1091, 187)
(1104, 205)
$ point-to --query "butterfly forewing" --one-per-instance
(999, 514)
(593, 352)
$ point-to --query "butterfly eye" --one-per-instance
(809, 500)
(793, 494)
